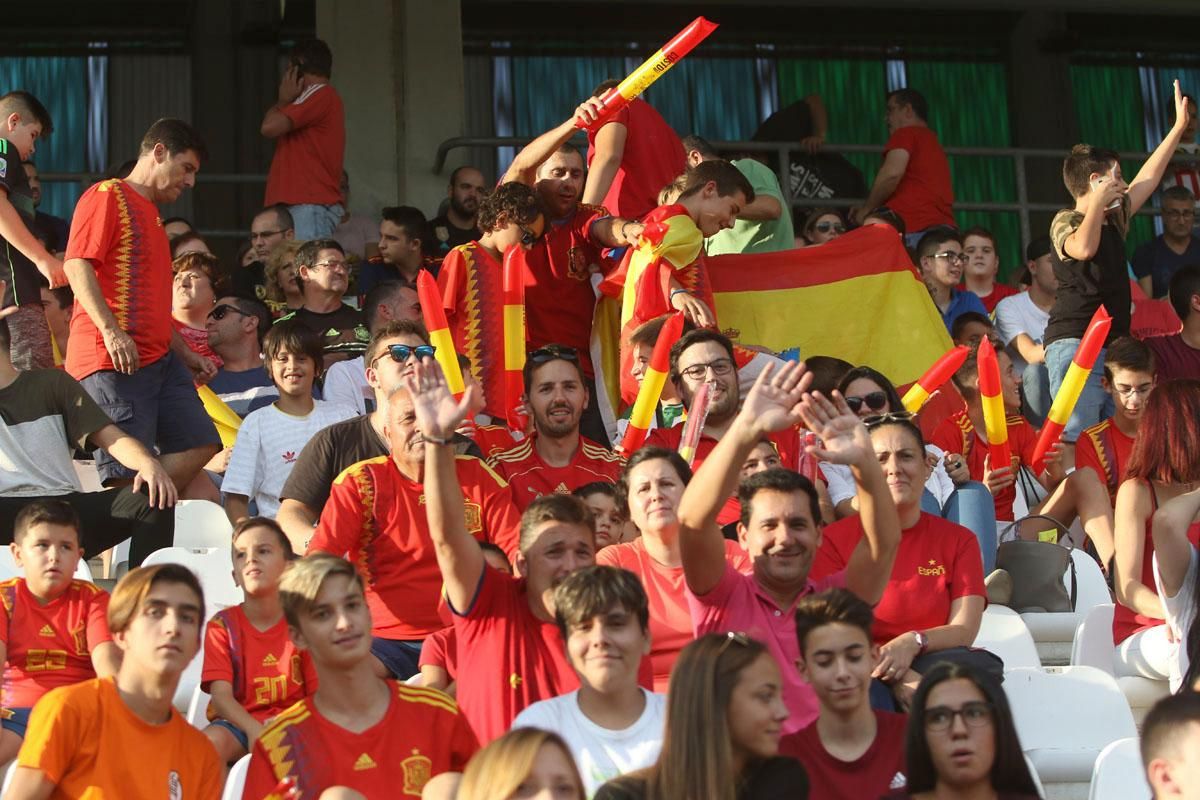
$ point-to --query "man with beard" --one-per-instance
(457, 225)
(555, 458)
(51, 229)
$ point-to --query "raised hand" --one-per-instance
(1181, 107)
(772, 403)
(438, 413)
(845, 439)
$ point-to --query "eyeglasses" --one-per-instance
(1130, 391)
(884, 419)
(339, 265)
(552, 353)
(400, 353)
(952, 257)
(256, 235)
(826, 227)
(874, 401)
(734, 637)
(975, 714)
(219, 312)
(1179, 212)
(528, 237)
(697, 372)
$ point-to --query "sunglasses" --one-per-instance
(826, 227)
(544, 354)
(883, 419)
(222, 310)
(733, 637)
(874, 401)
(528, 237)
(400, 353)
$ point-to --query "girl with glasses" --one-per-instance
(823, 225)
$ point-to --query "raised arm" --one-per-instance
(525, 166)
(1150, 175)
(1169, 530)
(438, 415)
(610, 149)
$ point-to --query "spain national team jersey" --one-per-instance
(268, 673)
(421, 735)
(957, 435)
(375, 516)
(1106, 450)
(530, 477)
(470, 281)
(492, 439)
(49, 645)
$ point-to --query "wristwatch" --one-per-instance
(922, 641)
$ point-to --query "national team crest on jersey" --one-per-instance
(417, 771)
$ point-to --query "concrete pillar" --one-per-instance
(398, 65)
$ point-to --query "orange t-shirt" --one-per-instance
(670, 620)
(268, 673)
(530, 477)
(87, 742)
(421, 735)
(49, 645)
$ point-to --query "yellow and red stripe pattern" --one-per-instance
(439, 331)
(642, 416)
(992, 398)
(513, 292)
(934, 377)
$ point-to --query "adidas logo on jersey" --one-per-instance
(899, 781)
(270, 661)
(46, 631)
(364, 762)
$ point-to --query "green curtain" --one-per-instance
(968, 106)
(547, 89)
(713, 97)
(1109, 107)
(853, 93)
(60, 83)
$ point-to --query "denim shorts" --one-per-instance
(237, 732)
(401, 657)
(16, 720)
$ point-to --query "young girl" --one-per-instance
(526, 762)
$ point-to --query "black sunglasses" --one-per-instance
(402, 352)
(884, 419)
(544, 354)
(874, 401)
(528, 237)
(220, 311)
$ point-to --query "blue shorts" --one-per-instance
(399, 656)
(16, 720)
(237, 732)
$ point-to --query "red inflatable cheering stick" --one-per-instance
(513, 283)
(992, 398)
(934, 377)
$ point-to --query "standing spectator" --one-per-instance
(123, 348)
(1158, 259)
(941, 257)
(309, 126)
(356, 233)
(402, 235)
(983, 267)
(823, 225)
(52, 230)
(194, 289)
(270, 227)
(323, 273)
(630, 158)
(457, 225)
(1186, 171)
(914, 180)
(1021, 323)
(26, 262)
(764, 225)
(1178, 354)
(236, 327)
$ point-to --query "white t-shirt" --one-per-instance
(601, 754)
(1019, 314)
(346, 383)
(266, 449)
(1181, 611)
(840, 481)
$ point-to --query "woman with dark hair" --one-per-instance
(649, 489)
(1162, 466)
(823, 225)
(962, 741)
(725, 714)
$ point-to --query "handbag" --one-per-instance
(1037, 568)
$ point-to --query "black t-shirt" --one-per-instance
(251, 281)
(342, 330)
(325, 456)
(52, 230)
(24, 282)
(1084, 285)
(447, 236)
(788, 124)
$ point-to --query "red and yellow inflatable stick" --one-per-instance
(650, 392)
(1072, 384)
(514, 337)
(992, 398)
(934, 377)
(439, 331)
(652, 69)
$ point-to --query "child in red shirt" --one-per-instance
(53, 631)
(251, 668)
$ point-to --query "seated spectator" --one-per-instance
(190, 242)
(195, 288)
(346, 381)
(526, 762)
(174, 227)
(358, 234)
(970, 328)
(941, 259)
(827, 372)
(763, 225)
(251, 668)
(236, 327)
(81, 738)
(823, 225)
(282, 292)
(1155, 262)
(357, 731)
(601, 499)
(641, 344)
(780, 525)
(1021, 323)
(58, 305)
(982, 268)
(53, 630)
(852, 751)
(962, 740)
(929, 611)
(1178, 355)
(271, 229)
(886, 216)
(650, 488)
(270, 438)
(1169, 740)
(725, 711)
(403, 234)
(323, 274)
(1177, 576)
(612, 725)
(458, 225)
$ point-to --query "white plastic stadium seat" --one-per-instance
(1003, 633)
(1053, 632)
(214, 567)
(1119, 774)
(197, 710)
(235, 784)
(1093, 647)
(9, 568)
(1065, 716)
(200, 523)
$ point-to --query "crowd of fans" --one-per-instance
(447, 596)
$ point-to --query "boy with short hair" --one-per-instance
(1170, 736)
(942, 261)
(852, 751)
(601, 499)
(121, 737)
(271, 437)
(1129, 377)
(611, 724)
(358, 731)
(251, 668)
(53, 630)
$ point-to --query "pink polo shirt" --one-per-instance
(738, 603)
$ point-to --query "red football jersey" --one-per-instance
(1106, 450)
(267, 671)
(491, 439)
(653, 157)
(441, 650)
(530, 477)
(376, 517)
(924, 196)
(471, 283)
(957, 435)
(49, 645)
(307, 166)
(421, 735)
(873, 774)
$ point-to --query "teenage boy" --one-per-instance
(270, 438)
(1089, 259)
(852, 751)
(53, 630)
(981, 272)
(1170, 736)
(358, 732)
(611, 724)
(1177, 355)
(403, 233)
(121, 737)
(941, 257)
(1129, 377)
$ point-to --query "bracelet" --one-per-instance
(426, 437)
(625, 225)
(674, 292)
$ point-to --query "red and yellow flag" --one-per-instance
(991, 396)
(514, 337)
(439, 331)
(642, 416)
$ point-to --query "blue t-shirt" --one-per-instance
(244, 391)
(961, 303)
(1160, 262)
